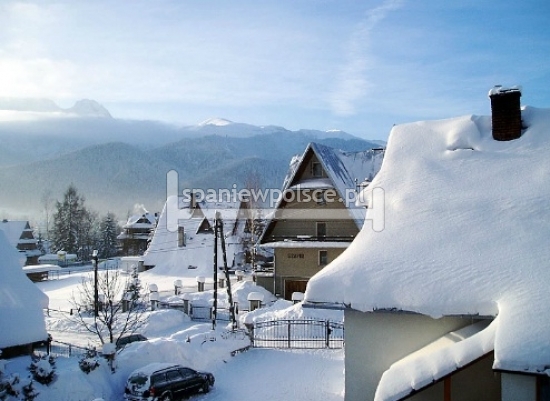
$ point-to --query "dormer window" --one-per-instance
(316, 170)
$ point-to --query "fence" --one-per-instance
(59, 348)
(298, 333)
(199, 312)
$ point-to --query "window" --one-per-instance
(181, 236)
(323, 258)
(157, 378)
(321, 229)
(319, 196)
(172, 375)
(316, 169)
(186, 372)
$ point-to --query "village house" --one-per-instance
(21, 305)
(450, 300)
(316, 218)
(136, 234)
(20, 235)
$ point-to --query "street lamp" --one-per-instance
(96, 294)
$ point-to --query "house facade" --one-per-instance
(20, 235)
(316, 218)
(448, 302)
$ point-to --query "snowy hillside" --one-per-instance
(50, 154)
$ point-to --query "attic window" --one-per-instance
(316, 170)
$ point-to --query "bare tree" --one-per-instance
(47, 203)
(121, 308)
(255, 222)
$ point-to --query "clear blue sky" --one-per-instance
(359, 66)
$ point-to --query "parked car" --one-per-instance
(166, 382)
(131, 338)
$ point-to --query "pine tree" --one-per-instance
(74, 228)
(108, 232)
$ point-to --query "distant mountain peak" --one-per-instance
(216, 121)
(89, 108)
(82, 108)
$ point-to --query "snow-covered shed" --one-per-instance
(464, 250)
(21, 305)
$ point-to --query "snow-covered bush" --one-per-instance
(89, 361)
(28, 392)
(8, 387)
(43, 369)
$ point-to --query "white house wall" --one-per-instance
(519, 387)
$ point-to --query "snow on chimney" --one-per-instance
(506, 112)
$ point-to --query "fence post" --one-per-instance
(327, 333)
(289, 331)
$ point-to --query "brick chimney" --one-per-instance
(506, 112)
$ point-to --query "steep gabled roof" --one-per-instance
(466, 233)
(345, 171)
(13, 230)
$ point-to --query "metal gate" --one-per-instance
(298, 333)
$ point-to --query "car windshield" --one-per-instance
(138, 380)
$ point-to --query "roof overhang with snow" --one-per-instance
(436, 360)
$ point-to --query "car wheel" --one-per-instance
(205, 387)
(166, 397)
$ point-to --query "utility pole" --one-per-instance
(215, 307)
(229, 295)
(96, 292)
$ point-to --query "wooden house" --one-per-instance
(316, 218)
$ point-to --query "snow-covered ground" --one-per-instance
(256, 374)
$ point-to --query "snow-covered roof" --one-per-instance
(345, 171)
(40, 268)
(466, 231)
(196, 257)
(13, 230)
(21, 302)
(143, 220)
(436, 360)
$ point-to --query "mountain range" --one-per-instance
(116, 164)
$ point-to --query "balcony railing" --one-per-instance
(310, 238)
